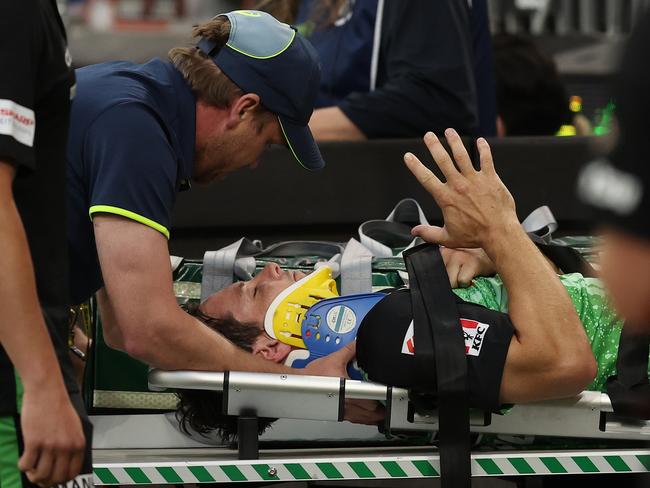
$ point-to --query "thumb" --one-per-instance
(431, 233)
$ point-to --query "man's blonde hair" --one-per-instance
(207, 81)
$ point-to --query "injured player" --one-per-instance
(542, 348)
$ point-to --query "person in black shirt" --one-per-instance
(41, 424)
(397, 68)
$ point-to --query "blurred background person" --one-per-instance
(618, 187)
(531, 97)
(396, 69)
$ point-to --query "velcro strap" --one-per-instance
(438, 333)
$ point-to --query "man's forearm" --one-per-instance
(22, 328)
(331, 124)
(177, 341)
(536, 295)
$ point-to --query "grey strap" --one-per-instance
(356, 269)
(175, 262)
(407, 210)
(540, 225)
(237, 260)
(220, 267)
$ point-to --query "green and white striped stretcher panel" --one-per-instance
(389, 466)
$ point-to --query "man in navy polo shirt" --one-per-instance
(140, 134)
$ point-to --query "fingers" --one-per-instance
(451, 264)
(60, 468)
(42, 472)
(364, 412)
(27, 461)
(458, 150)
(425, 177)
(485, 155)
(440, 156)
(431, 233)
(76, 462)
(466, 274)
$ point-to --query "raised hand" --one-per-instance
(475, 204)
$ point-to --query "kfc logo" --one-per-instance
(408, 344)
(474, 335)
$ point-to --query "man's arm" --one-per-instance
(331, 124)
(420, 85)
(550, 356)
(140, 314)
(53, 437)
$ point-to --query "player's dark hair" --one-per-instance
(200, 410)
(531, 98)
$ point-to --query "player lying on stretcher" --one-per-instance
(542, 348)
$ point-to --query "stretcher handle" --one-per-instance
(272, 382)
(358, 390)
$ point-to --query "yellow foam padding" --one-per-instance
(283, 320)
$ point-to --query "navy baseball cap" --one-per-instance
(270, 58)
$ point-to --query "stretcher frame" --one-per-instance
(252, 395)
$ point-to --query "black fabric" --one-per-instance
(420, 86)
(567, 259)
(629, 389)
(131, 148)
(35, 75)
(620, 192)
(435, 315)
(381, 336)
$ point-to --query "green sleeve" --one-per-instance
(602, 325)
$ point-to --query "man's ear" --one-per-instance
(244, 106)
(270, 349)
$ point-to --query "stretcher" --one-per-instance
(319, 400)
(138, 440)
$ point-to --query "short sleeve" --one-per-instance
(602, 325)
(18, 58)
(130, 166)
(488, 292)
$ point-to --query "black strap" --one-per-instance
(438, 334)
(568, 259)
(629, 389)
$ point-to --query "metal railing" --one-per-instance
(565, 17)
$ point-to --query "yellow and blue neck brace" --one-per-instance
(283, 320)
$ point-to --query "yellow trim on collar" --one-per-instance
(129, 215)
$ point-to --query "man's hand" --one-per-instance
(368, 412)
(357, 411)
(463, 265)
(334, 364)
(476, 205)
(53, 437)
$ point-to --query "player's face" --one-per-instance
(248, 301)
